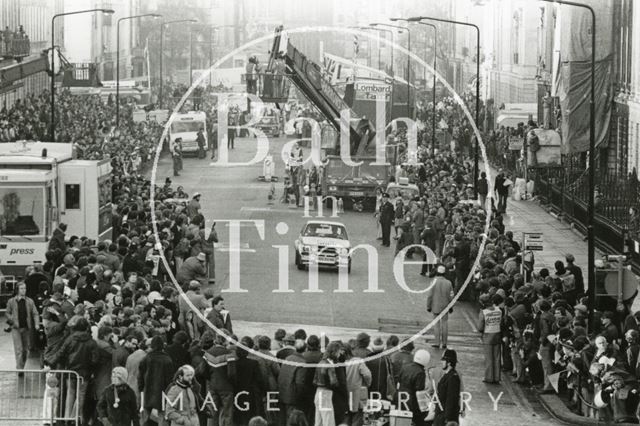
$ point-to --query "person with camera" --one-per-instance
(22, 322)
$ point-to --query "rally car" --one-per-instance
(324, 244)
(270, 125)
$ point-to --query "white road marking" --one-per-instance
(236, 250)
(243, 248)
(466, 316)
(299, 210)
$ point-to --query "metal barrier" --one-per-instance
(15, 48)
(7, 290)
(40, 397)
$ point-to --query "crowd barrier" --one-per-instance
(40, 397)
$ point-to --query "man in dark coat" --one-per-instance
(380, 368)
(179, 349)
(118, 404)
(155, 373)
(400, 358)
(55, 325)
(312, 355)
(57, 239)
(219, 316)
(219, 372)
(461, 253)
(413, 379)
(202, 142)
(387, 214)
(250, 386)
(269, 371)
(294, 390)
(448, 391)
(577, 274)
(78, 353)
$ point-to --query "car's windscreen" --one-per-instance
(404, 193)
(186, 126)
(325, 231)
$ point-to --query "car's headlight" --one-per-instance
(343, 251)
(333, 188)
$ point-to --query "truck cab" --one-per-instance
(42, 185)
(403, 189)
(186, 126)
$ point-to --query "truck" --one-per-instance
(186, 126)
(41, 186)
(355, 185)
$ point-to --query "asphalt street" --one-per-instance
(236, 193)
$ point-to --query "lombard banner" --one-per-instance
(368, 90)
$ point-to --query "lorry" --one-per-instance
(41, 186)
(355, 185)
(186, 126)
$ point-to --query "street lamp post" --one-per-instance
(162, 25)
(155, 15)
(376, 24)
(591, 241)
(392, 42)
(52, 125)
(433, 95)
(475, 157)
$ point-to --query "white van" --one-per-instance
(186, 126)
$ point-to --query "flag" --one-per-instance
(573, 76)
(554, 379)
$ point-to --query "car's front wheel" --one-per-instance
(299, 261)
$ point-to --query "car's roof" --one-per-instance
(325, 222)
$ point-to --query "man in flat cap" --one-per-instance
(387, 214)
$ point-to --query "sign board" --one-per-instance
(516, 144)
(372, 90)
(533, 241)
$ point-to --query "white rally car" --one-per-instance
(324, 244)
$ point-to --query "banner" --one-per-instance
(573, 79)
(574, 92)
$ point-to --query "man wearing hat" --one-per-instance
(411, 380)
(288, 348)
(448, 391)
(387, 214)
(193, 269)
(439, 296)
(117, 404)
(176, 154)
(193, 208)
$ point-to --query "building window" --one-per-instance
(515, 36)
(72, 196)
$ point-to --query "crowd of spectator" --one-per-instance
(14, 43)
(109, 312)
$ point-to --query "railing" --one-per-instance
(565, 189)
(15, 48)
(268, 86)
(40, 397)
